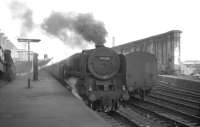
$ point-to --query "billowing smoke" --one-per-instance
(56, 24)
(22, 12)
(90, 29)
(73, 28)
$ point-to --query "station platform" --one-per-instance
(2, 83)
(45, 104)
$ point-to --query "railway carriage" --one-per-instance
(141, 73)
(7, 67)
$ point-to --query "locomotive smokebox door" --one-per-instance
(103, 63)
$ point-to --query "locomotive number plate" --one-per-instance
(107, 58)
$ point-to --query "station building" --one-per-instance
(5, 43)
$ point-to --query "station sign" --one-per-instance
(28, 40)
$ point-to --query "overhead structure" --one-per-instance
(28, 41)
(165, 46)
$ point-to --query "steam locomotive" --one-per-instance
(98, 76)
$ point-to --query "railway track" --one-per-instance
(182, 99)
(139, 119)
(177, 94)
(195, 105)
(173, 104)
(137, 115)
(127, 117)
(168, 118)
(166, 86)
(115, 119)
(178, 108)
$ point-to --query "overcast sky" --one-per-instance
(126, 20)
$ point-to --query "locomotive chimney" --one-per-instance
(98, 45)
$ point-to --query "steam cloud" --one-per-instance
(73, 28)
(22, 12)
